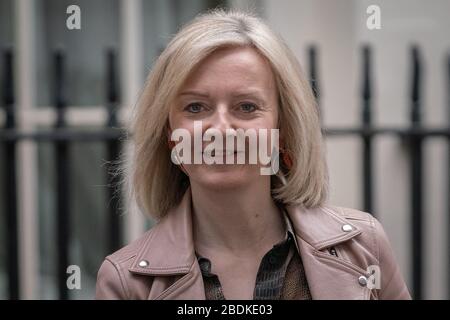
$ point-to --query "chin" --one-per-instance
(224, 177)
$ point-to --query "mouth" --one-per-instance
(220, 153)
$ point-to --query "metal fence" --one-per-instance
(62, 136)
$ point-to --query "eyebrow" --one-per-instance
(194, 93)
(254, 93)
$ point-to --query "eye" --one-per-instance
(194, 107)
(248, 107)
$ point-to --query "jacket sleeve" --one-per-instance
(110, 284)
(393, 286)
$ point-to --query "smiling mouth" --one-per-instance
(220, 153)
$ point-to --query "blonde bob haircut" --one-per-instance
(156, 184)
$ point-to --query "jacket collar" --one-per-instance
(321, 227)
(169, 249)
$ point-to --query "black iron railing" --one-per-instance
(62, 137)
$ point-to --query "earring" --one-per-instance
(287, 159)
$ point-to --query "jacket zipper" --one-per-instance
(332, 251)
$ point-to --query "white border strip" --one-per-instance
(25, 85)
(131, 70)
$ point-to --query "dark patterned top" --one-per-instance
(280, 274)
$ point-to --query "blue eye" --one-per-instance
(194, 108)
(248, 107)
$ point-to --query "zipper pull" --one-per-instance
(333, 251)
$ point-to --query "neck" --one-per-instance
(236, 220)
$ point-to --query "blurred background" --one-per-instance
(381, 75)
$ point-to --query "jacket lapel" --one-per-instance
(331, 278)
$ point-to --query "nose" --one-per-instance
(221, 119)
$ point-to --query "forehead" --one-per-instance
(232, 67)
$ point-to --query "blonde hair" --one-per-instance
(156, 183)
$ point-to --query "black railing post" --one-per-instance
(366, 115)
(113, 150)
(313, 78)
(62, 177)
(11, 231)
(416, 176)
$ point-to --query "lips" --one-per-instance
(220, 153)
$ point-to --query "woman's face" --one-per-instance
(233, 88)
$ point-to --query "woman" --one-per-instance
(226, 231)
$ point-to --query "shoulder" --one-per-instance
(364, 221)
(374, 244)
(113, 276)
(128, 252)
(372, 236)
(361, 218)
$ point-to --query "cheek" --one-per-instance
(269, 121)
(177, 120)
(275, 118)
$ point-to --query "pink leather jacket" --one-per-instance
(162, 264)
